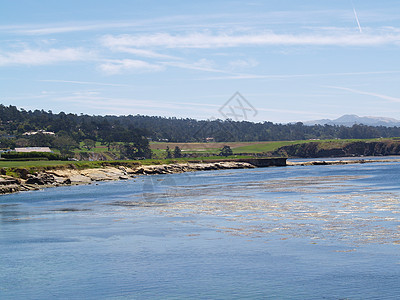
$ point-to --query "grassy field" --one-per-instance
(264, 147)
(159, 151)
(237, 147)
(97, 164)
(159, 148)
(98, 149)
(29, 164)
(214, 148)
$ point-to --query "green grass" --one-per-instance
(99, 148)
(265, 147)
(29, 164)
(158, 148)
(186, 159)
(38, 165)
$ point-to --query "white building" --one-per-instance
(33, 149)
(40, 131)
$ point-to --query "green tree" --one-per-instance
(7, 143)
(169, 154)
(177, 152)
(226, 151)
(65, 144)
(22, 142)
(135, 146)
(132, 150)
(113, 146)
(89, 144)
(41, 140)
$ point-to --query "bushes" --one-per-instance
(31, 156)
(28, 159)
(338, 149)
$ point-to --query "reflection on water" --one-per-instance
(299, 232)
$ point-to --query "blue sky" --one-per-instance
(291, 60)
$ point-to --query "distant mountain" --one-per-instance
(350, 120)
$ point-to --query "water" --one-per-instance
(314, 232)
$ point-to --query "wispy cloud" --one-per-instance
(283, 76)
(47, 29)
(125, 106)
(229, 21)
(108, 41)
(144, 53)
(210, 40)
(380, 96)
(176, 22)
(243, 63)
(82, 82)
(200, 65)
(295, 112)
(40, 57)
(113, 67)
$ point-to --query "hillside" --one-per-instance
(340, 149)
(350, 120)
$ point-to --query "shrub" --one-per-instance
(31, 156)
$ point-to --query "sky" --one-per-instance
(288, 60)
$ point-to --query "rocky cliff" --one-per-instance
(337, 149)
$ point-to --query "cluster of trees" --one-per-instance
(69, 131)
(177, 153)
(226, 151)
(131, 134)
(338, 149)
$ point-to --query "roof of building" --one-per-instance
(36, 132)
(33, 149)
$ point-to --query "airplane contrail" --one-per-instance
(380, 96)
(355, 14)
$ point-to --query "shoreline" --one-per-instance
(71, 176)
(339, 162)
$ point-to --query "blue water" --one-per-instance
(310, 232)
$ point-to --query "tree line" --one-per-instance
(133, 132)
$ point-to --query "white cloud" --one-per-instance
(40, 57)
(118, 66)
(243, 63)
(139, 52)
(283, 76)
(200, 65)
(224, 20)
(83, 82)
(57, 28)
(144, 53)
(209, 40)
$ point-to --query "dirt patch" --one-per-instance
(202, 146)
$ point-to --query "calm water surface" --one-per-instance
(315, 232)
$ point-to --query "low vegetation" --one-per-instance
(341, 149)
